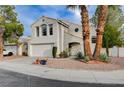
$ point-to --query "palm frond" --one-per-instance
(73, 7)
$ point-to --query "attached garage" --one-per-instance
(41, 50)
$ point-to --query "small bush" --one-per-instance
(79, 55)
(104, 58)
(86, 59)
(82, 57)
(63, 54)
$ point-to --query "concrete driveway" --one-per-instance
(24, 65)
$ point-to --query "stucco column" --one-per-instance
(34, 32)
(58, 30)
(20, 49)
(62, 39)
(48, 34)
(40, 31)
(29, 49)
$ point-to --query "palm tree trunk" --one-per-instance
(1, 46)
(86, 31)
(100, 29)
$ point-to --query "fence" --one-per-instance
(115, 51)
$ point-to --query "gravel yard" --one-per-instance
(67, 63)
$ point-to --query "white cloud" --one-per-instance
(77, 13)
(76, 17)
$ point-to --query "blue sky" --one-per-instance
(28, 14)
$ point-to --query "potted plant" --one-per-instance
(43, 61)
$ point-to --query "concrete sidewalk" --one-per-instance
(84, 76)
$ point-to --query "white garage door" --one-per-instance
(43, 50)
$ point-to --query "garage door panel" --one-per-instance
(42, 50)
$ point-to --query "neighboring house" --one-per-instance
(18, 49)
(23, 46)
(12, 47)
(48, 32)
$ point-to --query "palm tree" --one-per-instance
(85, 28)
(100, 29)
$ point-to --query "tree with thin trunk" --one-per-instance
(1, 42)
(112, 37)
(100, 30)
(1, 36)
(11, 28)
(85, 28)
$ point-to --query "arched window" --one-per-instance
(44, 29)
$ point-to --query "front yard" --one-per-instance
(116, 64)
(69, 63)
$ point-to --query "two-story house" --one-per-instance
(48, 32)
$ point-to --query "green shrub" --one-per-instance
(79, 55)
(63, 54)
(54, 51)
(104, 58)
(86, 59)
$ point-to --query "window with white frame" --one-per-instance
(44, 29)
(51, 29)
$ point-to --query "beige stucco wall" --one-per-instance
(73, 39)
(44, 39)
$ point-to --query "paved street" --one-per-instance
(13, 79)
(89, 77)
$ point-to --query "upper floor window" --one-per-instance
(51, 29)
(93, 39)
(76, 29)
(44, 29)
(43, 20)
(37, 31)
